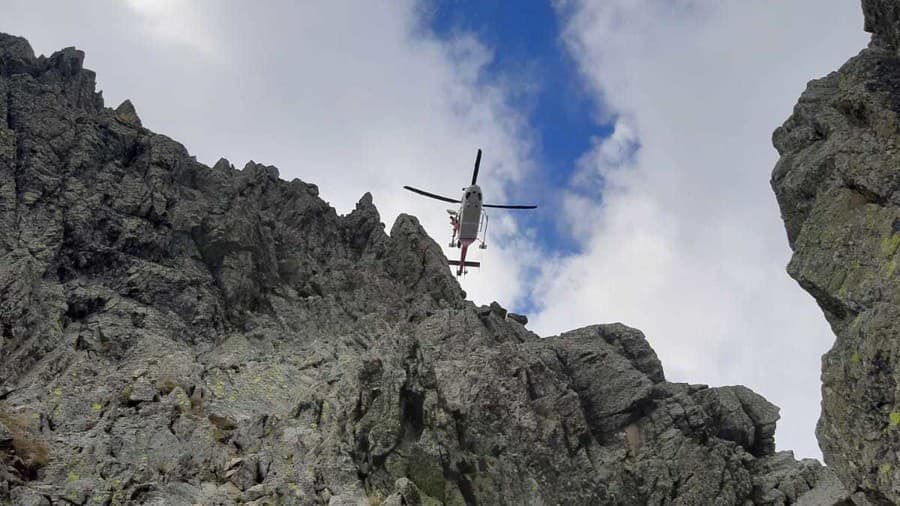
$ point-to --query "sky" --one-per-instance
(642, 128)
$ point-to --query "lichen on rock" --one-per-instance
(838, 187)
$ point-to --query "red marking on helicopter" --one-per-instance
(469, 222)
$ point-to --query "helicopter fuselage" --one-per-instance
(467, 226)
(469, 215)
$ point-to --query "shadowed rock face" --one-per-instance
(838, 185)
(177, 334)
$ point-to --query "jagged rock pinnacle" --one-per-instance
(838, 188)
(127, 114)
(881, 20)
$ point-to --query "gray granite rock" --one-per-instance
(180, 334)
(838, 186)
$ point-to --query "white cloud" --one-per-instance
(687, 243)
(177, 22)
(353, 96)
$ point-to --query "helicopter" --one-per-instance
(470, 221)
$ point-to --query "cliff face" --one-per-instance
(178, 334)
(838, 185)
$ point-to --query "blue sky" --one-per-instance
(544, 84)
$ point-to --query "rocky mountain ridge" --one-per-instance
(838, 186)
(174, 333)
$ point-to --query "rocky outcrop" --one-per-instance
(174, 333)
(838, 186)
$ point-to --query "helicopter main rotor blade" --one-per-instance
(499, 206)
(477, 163)
(431, 195)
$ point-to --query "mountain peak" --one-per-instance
(881, 20)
